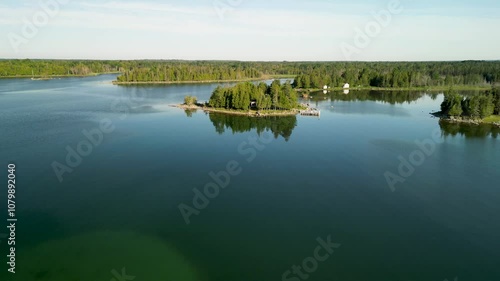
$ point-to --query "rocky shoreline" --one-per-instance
(462, 120)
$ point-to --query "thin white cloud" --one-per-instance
(147, 7)
(133, 29)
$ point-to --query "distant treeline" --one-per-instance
(308, 74)
(476, 106)
(180, 71)
(47, 68)
(262, 96)
(400, 74)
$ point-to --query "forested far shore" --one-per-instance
(401, 74)
(57, 68)
(307, 75)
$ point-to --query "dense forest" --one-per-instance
(243, 95)
(179, 72)
(308, 74)
(476, 106)
(400, 74)
(48, 68)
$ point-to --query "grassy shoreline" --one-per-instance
(430, 89)
(251, 113)
(491, 120)
(266, 77)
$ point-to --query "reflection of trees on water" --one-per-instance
(279, 126)
(392, 97)
(468, 130)
(189, 112)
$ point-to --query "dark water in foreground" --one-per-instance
(301, 180)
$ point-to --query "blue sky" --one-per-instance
(251, 30)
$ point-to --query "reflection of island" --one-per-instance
(279, 126)
(189, 112)
(392, 97)
(468, 130)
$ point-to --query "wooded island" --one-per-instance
(250, 99)
(478, 108)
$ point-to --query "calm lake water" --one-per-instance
(306, 179)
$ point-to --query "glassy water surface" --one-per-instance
(301, 180)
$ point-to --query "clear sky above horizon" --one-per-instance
(319, 30)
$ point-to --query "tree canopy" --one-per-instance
(474, 106)
(243, 95)
(399, 74)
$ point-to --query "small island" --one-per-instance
(483, 108)
(250, 99)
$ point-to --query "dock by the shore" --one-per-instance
(310, 112)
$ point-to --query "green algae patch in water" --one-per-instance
(104, 256)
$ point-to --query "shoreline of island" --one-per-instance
(311, 90)
(263, 78)
(428, 89)
(249, 113)
(493, 120)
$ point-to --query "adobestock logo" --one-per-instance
(363, 37)
(416, 158)
(224, 6)
(222, 179)
(121, 276)
(94, 137)
(310, 264)
(47, 10)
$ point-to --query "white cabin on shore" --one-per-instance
(347, 86)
